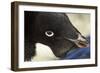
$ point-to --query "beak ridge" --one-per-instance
(80, 41)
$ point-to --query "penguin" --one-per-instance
(54, 31)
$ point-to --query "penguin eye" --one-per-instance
(49, 33)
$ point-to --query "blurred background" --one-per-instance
(81, 21)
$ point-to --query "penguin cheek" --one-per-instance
(61, 52)
(61, 47)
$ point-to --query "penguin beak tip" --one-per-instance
(82, 44)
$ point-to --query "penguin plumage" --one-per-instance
(51, 29)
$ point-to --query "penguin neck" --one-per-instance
(43, 53)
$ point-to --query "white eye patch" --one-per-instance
(49, 33)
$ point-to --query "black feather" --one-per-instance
(37, 23)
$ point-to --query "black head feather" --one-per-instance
(51, 29)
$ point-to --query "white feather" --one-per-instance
(43, 53)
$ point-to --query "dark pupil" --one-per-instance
(49, 32)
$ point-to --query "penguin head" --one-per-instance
(56, 31)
